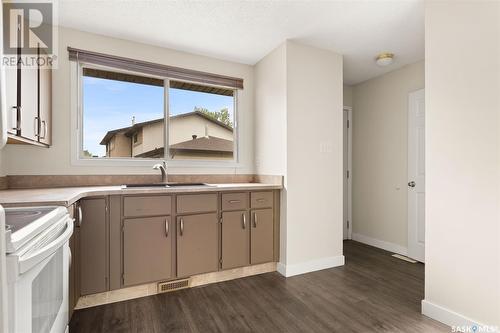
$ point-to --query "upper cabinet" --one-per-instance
(11, 100)
(29, 104)
(45, 106)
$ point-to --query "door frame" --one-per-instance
(348, 109)
(413, 251)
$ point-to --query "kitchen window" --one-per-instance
(125, 115)
(117, 108)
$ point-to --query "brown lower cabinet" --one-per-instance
(147, 254)
(93, 246)
(261, 236)
(131, 240)
(197, 244)
(235, 239)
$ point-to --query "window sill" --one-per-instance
(118, 162)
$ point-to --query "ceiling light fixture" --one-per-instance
(384, 59)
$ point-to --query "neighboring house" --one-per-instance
(192, 135)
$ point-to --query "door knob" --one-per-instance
(411, 184)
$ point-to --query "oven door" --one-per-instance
(38, 299)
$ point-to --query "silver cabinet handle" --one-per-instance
(37, 127)
(166, 227)
(182, 226)
(80, 215)
(17, 126)
(44, 127)
(234, 201)
(261, 200)
(255, 219)
(244, 220)
(70, 258)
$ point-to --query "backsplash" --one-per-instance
(3, 183)
(50, 181)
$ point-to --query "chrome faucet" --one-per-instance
(163, 168)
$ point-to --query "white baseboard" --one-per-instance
(310, 266)
(448, 317)
(391, 247)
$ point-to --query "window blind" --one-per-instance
(154, 69)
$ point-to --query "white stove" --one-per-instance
(22, 224)
(37, 264)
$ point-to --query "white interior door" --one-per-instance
(416, 175)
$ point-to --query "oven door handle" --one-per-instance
(25, 263)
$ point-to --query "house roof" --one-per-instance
(210, 143)
(128, 131)
(203, 144)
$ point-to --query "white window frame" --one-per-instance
(77, 158)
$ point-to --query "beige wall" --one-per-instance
(348, 91)
(299, 134)
(151, 138)
(462, 270)
(56, 160)
(120, 146)
(184, 127)
(379, 192)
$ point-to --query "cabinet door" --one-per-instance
(147, 254)
(261, 236)
(45, 106)
(197, 244)
(93, 246)
(29, 103)
(235, 239)
(11, 99)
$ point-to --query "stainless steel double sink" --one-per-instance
(165, 185)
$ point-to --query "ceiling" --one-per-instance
(245, 31)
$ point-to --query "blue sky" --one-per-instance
(109, 105)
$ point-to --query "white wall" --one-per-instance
(462, 271)
(56, 160)
(314, 155)
(270, 125)
(270, 113)
(299, 134)
(380, 150)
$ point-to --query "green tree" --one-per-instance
(222, 115)
(86, 153)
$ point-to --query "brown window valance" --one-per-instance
(154, 69)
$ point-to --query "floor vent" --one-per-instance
(164, 287)
(404, 258)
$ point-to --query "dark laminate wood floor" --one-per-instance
(373, 292)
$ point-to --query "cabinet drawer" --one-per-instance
(147, 206)
(194, 203)
(261, 199)
(234, 201)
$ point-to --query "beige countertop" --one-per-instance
(65, 196)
